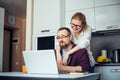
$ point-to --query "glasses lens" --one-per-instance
(74, 25)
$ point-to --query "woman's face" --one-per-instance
(76, 25)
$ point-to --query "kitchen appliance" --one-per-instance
(116, 55)
(42, 42)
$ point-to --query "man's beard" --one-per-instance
(63, 45)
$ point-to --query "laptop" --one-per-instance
(40, 62)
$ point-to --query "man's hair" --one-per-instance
(65, 28)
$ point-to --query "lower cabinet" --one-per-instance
(108, 72)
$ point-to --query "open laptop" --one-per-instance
(40, 61)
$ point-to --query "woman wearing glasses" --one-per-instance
(81, 36)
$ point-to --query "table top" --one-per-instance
(67, 76)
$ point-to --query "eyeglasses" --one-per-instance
(62, 36)
(74, 25)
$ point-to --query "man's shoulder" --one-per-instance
(82, 51)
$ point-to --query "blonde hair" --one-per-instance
(81, 17)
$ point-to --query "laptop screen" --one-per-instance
(40, 61)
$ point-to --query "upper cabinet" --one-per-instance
(107, 14)
(100, 14)
(78, 4)
(107, 17)
(106, 2)
(47, 16)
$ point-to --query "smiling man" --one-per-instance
(79, 61)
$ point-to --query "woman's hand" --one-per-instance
(65, 58)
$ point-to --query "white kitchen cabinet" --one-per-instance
(47, 16)
(108, 72)
(89, 13)
(105, 2)
(107, 17)
(78, 4)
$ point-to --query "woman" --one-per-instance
(81, 36)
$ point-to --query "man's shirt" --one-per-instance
(79, 58)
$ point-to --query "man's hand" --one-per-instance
(59, 64)
(58, 48)
(59, 57)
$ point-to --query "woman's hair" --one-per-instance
(81, 17)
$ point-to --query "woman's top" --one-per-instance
(83, 41)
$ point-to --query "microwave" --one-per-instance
(42, 42)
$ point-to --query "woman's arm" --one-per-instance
(83, 41)
(65, 58)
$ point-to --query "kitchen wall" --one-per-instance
(107, 42)
(18, 29)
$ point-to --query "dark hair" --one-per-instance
(81, 17)
(65, 28)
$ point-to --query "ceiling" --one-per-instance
(14, 7)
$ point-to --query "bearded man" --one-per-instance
(79, 61)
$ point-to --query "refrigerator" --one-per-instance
(2, 12)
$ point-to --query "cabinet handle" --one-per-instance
(112, 27)
(45, 30)
(112, 70)
(118, 70)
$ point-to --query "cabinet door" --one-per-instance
(99, 69)
(111, 73)
(78, 4)
(46, 16)
(89, 13)
(107, 17)
(106, 2)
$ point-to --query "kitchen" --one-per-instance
(105, 34)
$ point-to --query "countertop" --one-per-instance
(107, 64)
(22, 76)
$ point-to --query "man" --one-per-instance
(79, 61)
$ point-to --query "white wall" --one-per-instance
(1, 36)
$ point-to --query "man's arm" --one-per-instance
(69, 69)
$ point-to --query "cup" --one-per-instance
(24, 70)
(104, 53)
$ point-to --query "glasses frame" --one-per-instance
(76, 26)
(62, 37)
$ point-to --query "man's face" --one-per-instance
(64, 38)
